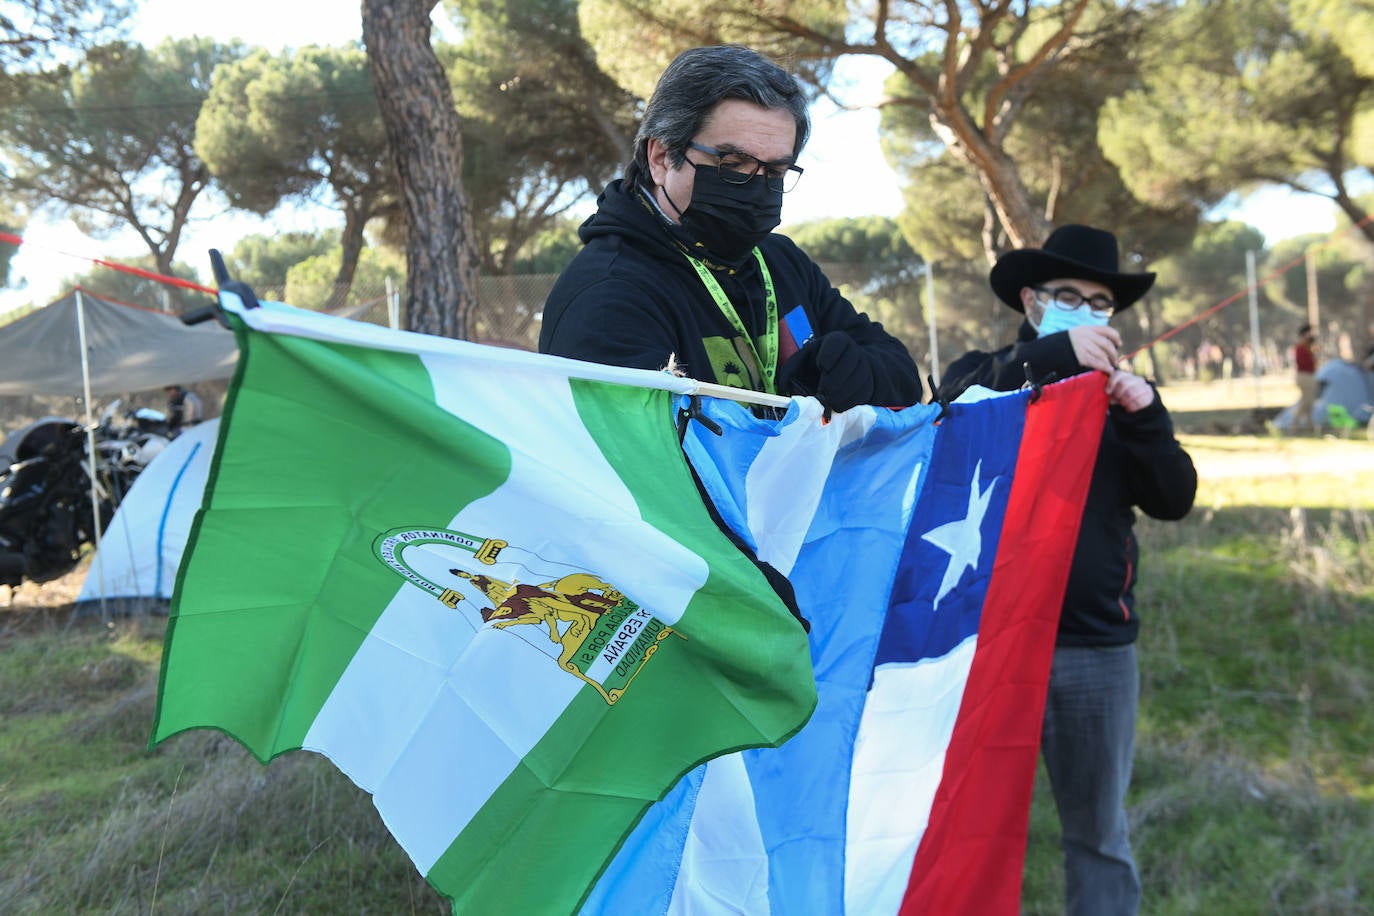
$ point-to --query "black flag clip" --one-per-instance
(693, 412)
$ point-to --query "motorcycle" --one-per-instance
(125, 444)
(46, 513)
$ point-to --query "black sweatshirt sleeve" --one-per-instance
(1161, 475)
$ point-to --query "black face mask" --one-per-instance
(729, 220)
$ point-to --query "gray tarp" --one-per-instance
(130, 349)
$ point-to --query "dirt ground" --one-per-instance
(41, 606)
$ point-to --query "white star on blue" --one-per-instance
(962, 539)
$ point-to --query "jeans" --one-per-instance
(1088, 741)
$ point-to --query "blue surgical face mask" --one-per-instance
(1059, 317)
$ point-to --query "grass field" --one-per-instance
(1254, 790)
(1254, 786)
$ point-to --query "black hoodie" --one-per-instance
(632, 298)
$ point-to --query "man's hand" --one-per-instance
(1129, 390)
(1095, 347)
(846, 375)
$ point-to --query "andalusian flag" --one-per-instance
(483, 583)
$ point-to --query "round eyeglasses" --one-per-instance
(1066, 297)
(738, 168)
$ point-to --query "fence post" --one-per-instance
(1254, 324)
(930, 323)
(1313, 307)
(393, 305)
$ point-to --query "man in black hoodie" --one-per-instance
(680, 265)
(1068, 291)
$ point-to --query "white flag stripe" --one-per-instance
(596, 518)
(724, 864)
(420, 800)
(899, 759)
(784, 483)
(408, 645)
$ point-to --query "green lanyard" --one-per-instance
(768, 365)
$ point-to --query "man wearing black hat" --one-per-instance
(1069, 290)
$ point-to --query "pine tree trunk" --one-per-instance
(352, 242)
(426, 142)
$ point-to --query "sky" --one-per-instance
(846, 174)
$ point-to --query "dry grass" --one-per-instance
(1269, 392)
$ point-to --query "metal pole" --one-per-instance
(90, 444)
(930, 324)
(1254, 323)
(1313, 307)
(393, 305)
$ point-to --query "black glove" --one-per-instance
(834, 368)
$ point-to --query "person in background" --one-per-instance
(183, 408)
(1305, 373)
(680, 264)
(1069, 290)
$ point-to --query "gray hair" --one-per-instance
(695, 83)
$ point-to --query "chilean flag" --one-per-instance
(929, 551)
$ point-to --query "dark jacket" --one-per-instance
(1139, 465)
(631, 298)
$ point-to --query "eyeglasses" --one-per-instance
(738, 168)
(1066, 297)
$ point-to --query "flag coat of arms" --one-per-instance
(484, 585)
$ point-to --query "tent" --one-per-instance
(83, 345)
(1342, 382)
(128, 348)
(141, 550)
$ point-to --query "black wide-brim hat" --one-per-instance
(1071, 252)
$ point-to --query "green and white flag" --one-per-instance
(481, 582)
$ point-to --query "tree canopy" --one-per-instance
(1289, 95)
(543, 127)
(967, 70)
(310, 282)
(38, 34)
(1001, 120)
(1272, 96)
(111, 142)
(294, 125)
(263, 261)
